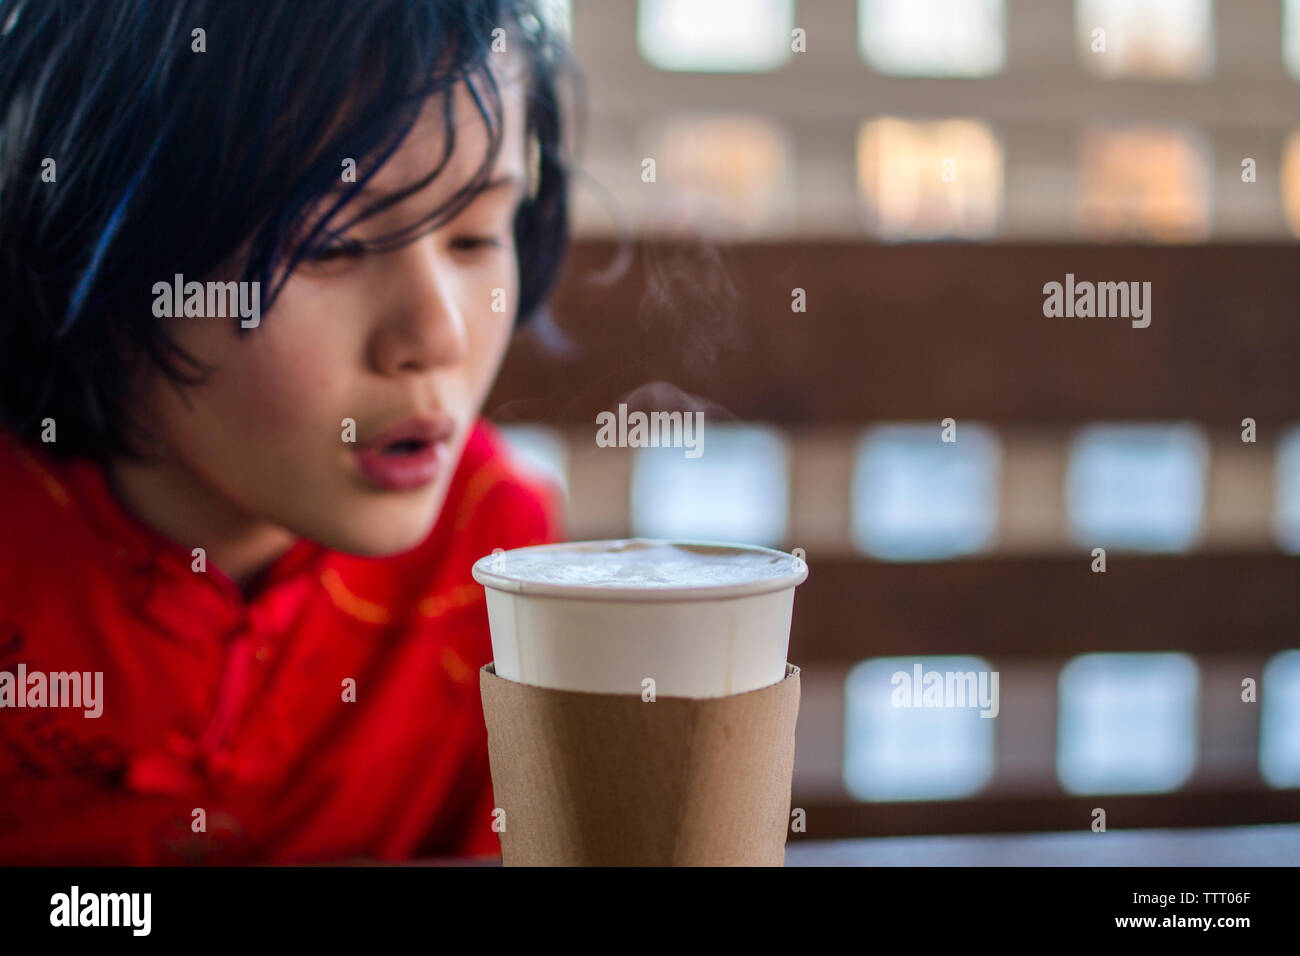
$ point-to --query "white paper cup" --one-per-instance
(698, 640)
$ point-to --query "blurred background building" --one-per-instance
(854, 208)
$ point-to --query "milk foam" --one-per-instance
(641, 564)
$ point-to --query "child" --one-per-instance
(260, 263)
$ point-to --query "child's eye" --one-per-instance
(475, 243)
(346, 249)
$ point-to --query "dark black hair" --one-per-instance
(172, 161)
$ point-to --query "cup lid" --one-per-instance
(641, 569)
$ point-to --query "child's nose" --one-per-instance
(423, 325)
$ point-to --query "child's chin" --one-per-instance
(373, 544)
(380, 536)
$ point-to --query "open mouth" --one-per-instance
(407, 446)
(403, 464)
(409, 455)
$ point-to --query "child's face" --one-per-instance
(381, 338)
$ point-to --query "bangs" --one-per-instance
(401, 70)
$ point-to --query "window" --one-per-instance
(1127, 723)
(1291, 181)
(1144, 182)
(1158, 39)
(736, 490)
(1291, 36)
(721, 175)
(928, 180)
(708, 36)
(558, 15)
(917, 497)
(1279, 743)
(933, 37)
(1139, 487)
(540, 450)
(1286, 494)
(926, 752)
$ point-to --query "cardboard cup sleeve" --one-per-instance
(612, 780)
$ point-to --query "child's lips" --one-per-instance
(402, 470)
(408, 455)
(421, 428)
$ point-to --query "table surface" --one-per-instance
(1269, 845)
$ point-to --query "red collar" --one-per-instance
(160, 570)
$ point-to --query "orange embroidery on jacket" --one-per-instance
(476, 489)
(459, 596)
(350, 603)
(456, 667)
(42, 474)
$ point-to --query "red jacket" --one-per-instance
(235, 706)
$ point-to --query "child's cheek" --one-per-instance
(289, 389)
